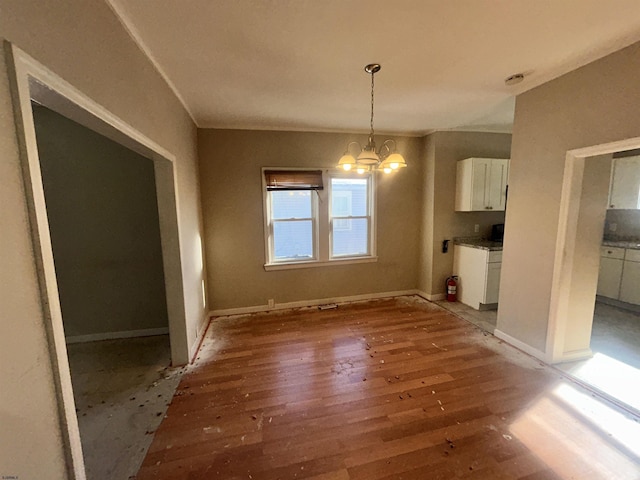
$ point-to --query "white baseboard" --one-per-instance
(574, 356)
(520, 345)
(432, 297)
(96, 337)
(309, 303)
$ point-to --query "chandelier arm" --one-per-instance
(354, 143)
(388, 149)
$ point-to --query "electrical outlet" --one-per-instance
(613, 227)
(272, 303)
(476, 228)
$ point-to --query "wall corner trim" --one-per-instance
(520, 345)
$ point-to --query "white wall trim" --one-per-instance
(520, 345)
(309, 303)
(131, 29)
(96, 337)
(575, 355)
(566, 239)
(30, 79)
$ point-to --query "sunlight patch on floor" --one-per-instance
(609, 375)
(579, 436)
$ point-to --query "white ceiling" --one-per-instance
(298, 64)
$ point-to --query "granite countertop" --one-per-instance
(634, 245)
(480, 243)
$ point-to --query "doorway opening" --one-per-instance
(32, 82)
(595, 340)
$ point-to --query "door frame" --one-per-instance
(29, 81)
(566, 240)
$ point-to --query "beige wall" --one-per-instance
(103, 218)
(83, 42)
(595, 104)
(440, 220)
(230, 163)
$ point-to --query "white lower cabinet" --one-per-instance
(630, 285)
(493, 282)
(619, 276)
(610, 273)
(478, 272)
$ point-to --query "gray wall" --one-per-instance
(83, 42)
(230, 166)
(103, 218)
(595, 104)
(440, 220)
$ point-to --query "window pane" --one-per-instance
(293, 240)
(291, 204)
(350, 238)
(349, 197)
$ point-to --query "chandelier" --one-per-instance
(366, 158)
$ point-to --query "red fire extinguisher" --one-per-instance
(452, 287)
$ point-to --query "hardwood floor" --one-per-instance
(391, 389)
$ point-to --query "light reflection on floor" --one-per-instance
(609, 375)
(569, 418)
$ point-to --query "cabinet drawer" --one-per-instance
(632, 255)
(612, 252)
(496, 256)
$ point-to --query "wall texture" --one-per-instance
(83, 42)
(440, 221)
(103, 217)
(592, 105)
(230, 166)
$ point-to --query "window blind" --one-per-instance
(293, 179)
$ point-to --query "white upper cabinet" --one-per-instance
(481, 184)
(624, 193)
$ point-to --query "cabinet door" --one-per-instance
(480, 183)
(609, 277)
(630, 286)
(492, 286)
(624, 192)
(497, 192)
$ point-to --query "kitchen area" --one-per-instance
(482, 186)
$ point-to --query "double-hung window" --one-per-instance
(292, 205)
(314, 218)
(350, 216)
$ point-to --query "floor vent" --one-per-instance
(327, 306)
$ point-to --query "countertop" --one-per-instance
(490, 245)
(633, 245)
(478, 243)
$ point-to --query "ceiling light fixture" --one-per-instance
(386, 159)
(514, 79)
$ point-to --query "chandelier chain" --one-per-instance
(372, 75)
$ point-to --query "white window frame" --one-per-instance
(314, 231)
(368, 215)
(321, 205)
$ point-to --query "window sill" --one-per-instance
(312, 264)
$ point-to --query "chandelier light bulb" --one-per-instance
(386, 170)
(347, 166)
